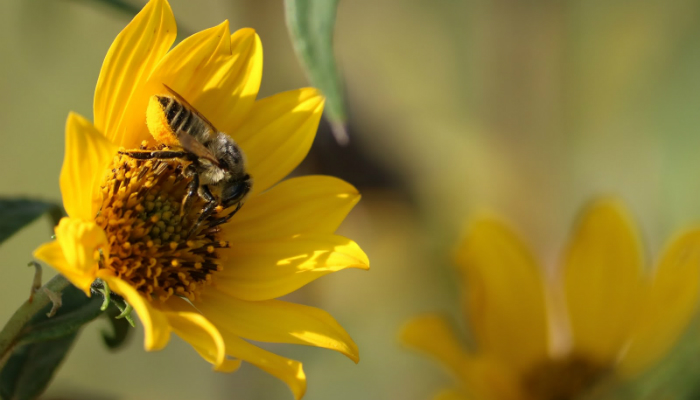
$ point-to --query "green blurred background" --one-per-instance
(527, 108)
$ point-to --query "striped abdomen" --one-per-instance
(179, 117)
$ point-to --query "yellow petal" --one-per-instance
(434, 336)
(267, 270)
(85, 161)
(484, 377)
(488, 378)
(74, 253)
(506, 304)
(228, 365)
(669, 306)
(303, 205)
(603, 280)
(218, 74)
(201, 334)
(277, 322)
(451, 394)
(278, 133)
(120, 103)
(196, 330)
(155, 324)
(288, 371)
(52, 254)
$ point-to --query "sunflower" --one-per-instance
(214, 284)
(621, 318)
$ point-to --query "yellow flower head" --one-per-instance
(608, 316)
(214, 284)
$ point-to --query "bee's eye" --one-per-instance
(235, 193)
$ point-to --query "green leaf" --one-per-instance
(120, 329)
(62, 324)
(44, 344)
(17, 213)
(310, 24)
(31, 367)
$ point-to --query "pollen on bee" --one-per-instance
(157, 123)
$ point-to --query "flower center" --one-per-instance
(562, 379)
(154, 246)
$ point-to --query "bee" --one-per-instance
(217, 163)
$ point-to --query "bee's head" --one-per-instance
(235, 190)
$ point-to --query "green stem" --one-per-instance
(11, 331)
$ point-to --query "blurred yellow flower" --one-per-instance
(123, 223)
(621, 318)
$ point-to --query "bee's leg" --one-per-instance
(189, 172)
(209, 207)
(227, 217)
(156, 154)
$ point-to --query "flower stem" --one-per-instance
(9, 334)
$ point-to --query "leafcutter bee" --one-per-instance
(217, 163)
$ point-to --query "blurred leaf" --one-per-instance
(121, 6)
(31, 366)
(17, 213)
(310, 24)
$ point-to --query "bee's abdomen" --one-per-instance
(179, 117)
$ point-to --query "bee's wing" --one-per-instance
(191, 108)
(189, 143)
